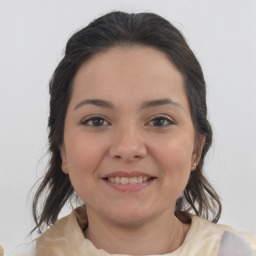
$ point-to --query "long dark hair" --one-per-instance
(119, 29)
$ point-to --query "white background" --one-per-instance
(33, 34)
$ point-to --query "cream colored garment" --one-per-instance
(66, 238)
(1, 250)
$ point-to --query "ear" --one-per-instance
(64, 164)
(196, 156)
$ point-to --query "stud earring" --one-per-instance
(195, 163)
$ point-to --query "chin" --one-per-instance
(130, 216)
(130, 221)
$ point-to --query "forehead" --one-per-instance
(126, 72)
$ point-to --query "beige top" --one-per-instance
(66, 238)
(1, 250)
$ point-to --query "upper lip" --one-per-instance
(128, 174)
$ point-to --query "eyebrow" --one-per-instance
(146, 104)
(95, 102)
(160, 102)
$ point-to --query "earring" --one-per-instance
(195, 163)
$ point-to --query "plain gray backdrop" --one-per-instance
(33, 34)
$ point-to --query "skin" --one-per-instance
(131, 135)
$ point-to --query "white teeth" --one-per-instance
(133, 180)
(140, 179)
(124, 180)
(128, 180)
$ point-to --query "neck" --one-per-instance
(158, 236)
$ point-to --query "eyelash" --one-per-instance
(89, 121)
(92, 119)
(164, 118)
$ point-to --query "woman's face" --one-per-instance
(128, 136)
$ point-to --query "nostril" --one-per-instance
(129, 152)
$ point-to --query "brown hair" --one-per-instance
(115, 29)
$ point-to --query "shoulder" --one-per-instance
(24, 249)
(1, 250)
(220, 238)
(63, 238)
(235, 244)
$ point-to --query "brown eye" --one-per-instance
(95, 121)
(160, 121)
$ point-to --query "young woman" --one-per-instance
(128, 135)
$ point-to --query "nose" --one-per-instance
(128, 144)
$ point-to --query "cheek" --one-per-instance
(175, 153)
(174, 159)
(84, 154)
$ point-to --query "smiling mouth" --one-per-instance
(129, 180)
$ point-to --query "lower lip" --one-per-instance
(129, 187)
